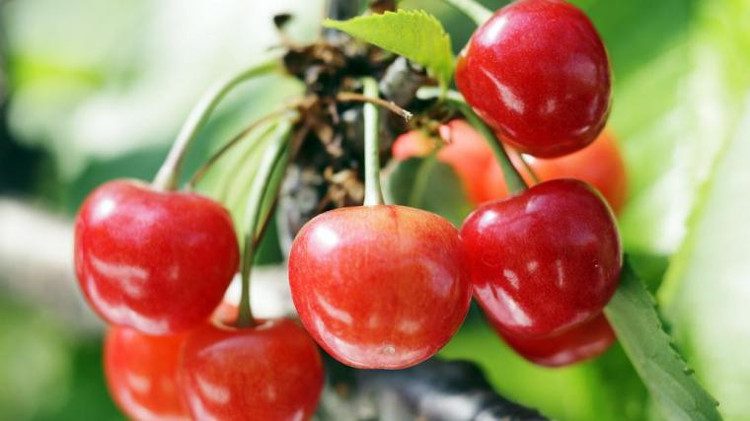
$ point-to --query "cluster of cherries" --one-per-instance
(155, 265)
(378, 286)
(545, 262)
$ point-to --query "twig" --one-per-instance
(355, 97)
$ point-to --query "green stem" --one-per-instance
(373, 191)
(241, 168)
(168, 175)
(274, 156)
(203, 170)
(527, 167)
(513, 179)
(478, 13)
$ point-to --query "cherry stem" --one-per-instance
(168, 176)
(527, 167)
(353, 96)
(478, 13)
(513, 179)
(274, 157)
(229, 179)
(373, 191)
(201, 172)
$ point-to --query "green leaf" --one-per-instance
(707, 287)
(414, 34)
(633, 316)
(675, 112)
(684, 120)
(430, 185)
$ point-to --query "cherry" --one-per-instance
(582, 342)
(538, 73)
(141, 372)
(600, 164)
(379, 286)
(153, 260)
(545, 260)
(272, 371)
(465, 151)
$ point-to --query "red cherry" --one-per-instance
(272, 371)
(379, 286)
(411, 144)
(141, 372)
(599, 164)
(581, 343)
(155, 261)
(537, 71)
(545, 260)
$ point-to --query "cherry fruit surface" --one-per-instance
(538, 73)
(379, 286)
(578, 344)
(152, 260)
(543, 261)
(141, 373)
(270, 371)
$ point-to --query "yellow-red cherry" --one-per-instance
(600, 164)
(157, 261)
(545, 260)
(141, 373)
(538, 73)
(269, 371)
(379, 286)
(465, 151)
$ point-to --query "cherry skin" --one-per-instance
(272, 371)
(379, 286)
(141, 372)
(155, 261)
(545, 260)
(578, 344)
(538, 73)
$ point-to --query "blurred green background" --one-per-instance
(96, 89)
